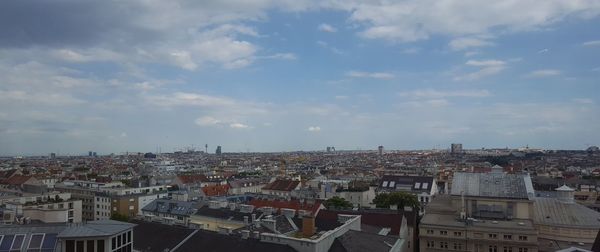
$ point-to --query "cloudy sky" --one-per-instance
(262, 75)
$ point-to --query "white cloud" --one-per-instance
(437, 94)
(238, 126)
(543, 73)
(583, 100)
(464, 43)
(280, 56)
(314, 128)
(374, 75)
(545, 50)
(413, 20)
(486, 68)
(591, 43)
(326, 28)
(207, 121)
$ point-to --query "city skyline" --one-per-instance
(297, 75)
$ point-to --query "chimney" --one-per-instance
(253, 217)
(308, 226)
(246, 220)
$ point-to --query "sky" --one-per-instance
(285, 75)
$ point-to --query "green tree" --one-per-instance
(337, 203)
(400, 199)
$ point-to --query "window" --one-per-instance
(457, 246)
(457, 233)
(385, 184)
(444, 245)
(429, 231)
(507, 237)
(129, 236)
(443, 232)
(523, 249)
(90, 246)
(492, 248)
(100, 245)
(507, 249)
(79, 246)
(424, 186)
(70, 247)
(17, 242)
(113, 243)
(392, 183)
(36, 241)
(493, 236)
(430, 244)
(522, 238)
(417, 185)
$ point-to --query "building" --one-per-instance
(170, 212)
(242, 186)
(380, 150)
(359, 196)
(98, 236)
(281, 187)
(424, 187)
(104, 235)
(218, 150)
(456, 148)
(483, 212)
(48, 211)
(561, 220)
(95, 204)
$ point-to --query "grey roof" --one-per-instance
(183, 208)
(43, 228)
(493, 185)
(553, 212)
(96, 228)
(362, 241)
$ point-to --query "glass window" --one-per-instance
(417, 185)
(129, 236)
(385, 184)
(70, 247)
(392, 183)
(6, 242)
(36, 241)
(49, 242)
(100, 246)
(80, 246)
(18, 242)
(113, 244)
(89, 245)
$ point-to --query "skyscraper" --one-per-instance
(380, 149)
(218, 151)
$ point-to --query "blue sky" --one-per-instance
(114, 76)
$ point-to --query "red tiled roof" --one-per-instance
(188, 179)
(16, 180)
(291, 204)
(215, 190)
(282, 185)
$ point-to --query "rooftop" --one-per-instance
(493, 185)
(551, 211)
(95, 229)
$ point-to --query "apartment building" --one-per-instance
(484, 212)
